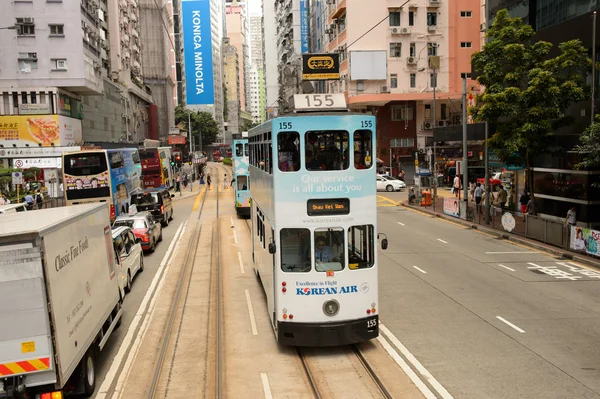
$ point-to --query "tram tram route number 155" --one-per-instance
(371, 323)
(319, 101)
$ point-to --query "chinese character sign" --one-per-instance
(34, 130)
(304, 25)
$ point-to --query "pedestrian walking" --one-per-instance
(523, 201)
(571, 219)
(502, 197)
(178, 184)
(478, 194)
(208, 181)
(39, 200)
(456, 185)
(225, 182)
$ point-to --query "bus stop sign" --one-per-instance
(17, 178)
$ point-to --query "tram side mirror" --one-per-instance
(272, 248)
(384, 242)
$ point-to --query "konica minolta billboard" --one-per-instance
(197, 45)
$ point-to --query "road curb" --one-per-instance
(511, 237)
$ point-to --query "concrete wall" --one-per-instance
(102, 115)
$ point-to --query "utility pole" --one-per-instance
(435, 179)
(465, 153)
(190, 132)
(486, 156)
(593, 116)
(200, 135)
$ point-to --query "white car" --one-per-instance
(388, 183)
(130, 255)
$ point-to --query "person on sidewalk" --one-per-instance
(523, 201)
(571, 219)
(502, 197)
(456, 185)
(478, 194)
(208, 181)
(225, 182)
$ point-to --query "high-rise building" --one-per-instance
(257, 90)
(238, 34)
(255, 100)
(391, 68)
(271, 70)
(256, 39)
(231, 73)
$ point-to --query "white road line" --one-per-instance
(231, 218)
(241, 263)
(413, 360)
(235, 237)
(401, 224)
(251, 313)
(440, 240)
(140, 314)
(266, 386)
(510, 324)
(421, 270)
(506, 267)
(512, 252)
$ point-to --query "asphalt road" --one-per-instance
(488, 318)
(141, 283)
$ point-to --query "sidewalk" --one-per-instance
(186, 193)
(495, 228)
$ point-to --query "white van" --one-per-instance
(10, 208)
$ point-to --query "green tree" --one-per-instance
(225, 108)
(201, 122)
(589, 147)
(527, 92)
(247, 125)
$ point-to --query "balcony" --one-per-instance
(338, 10)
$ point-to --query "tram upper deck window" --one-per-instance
(239, 150)
(246, 150)
(326, 150)
(361, 247)
(295, 250)
(242, 182)
(288, 151)
(363, 149)
(329, 250)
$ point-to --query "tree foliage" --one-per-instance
(247, 125)
(589, 147)
(201, 122)
(527, 92)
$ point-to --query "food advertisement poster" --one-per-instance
(33, 130)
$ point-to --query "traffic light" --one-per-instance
(172, 163)
(190, 163)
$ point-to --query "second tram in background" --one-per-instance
(314, 222)
(241, 179)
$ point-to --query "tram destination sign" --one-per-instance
(320, 207)
(319, 102)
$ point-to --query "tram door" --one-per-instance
(273, 261)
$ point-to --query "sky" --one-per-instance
(255, 7)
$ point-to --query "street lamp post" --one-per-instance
(435, 183)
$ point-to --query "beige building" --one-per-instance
(237, 30)
(231, 73)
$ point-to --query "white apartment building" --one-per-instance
(271, 71)
(255, 94)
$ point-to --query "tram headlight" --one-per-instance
(331, 307)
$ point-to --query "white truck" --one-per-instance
(59, 300)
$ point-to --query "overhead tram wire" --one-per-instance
(378, 23)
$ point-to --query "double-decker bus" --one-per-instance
(110, 176)
(157, 171)
(314, 222)
(220, 150)
(241, 180)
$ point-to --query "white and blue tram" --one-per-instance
(241, 180)
(314, 222)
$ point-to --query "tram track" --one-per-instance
(161, 379)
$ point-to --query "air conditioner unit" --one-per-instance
(341, 49)
(384, 89)
(395, 31)
(482, 27)
(33, 55)
(435, 3)
(411, 60)
(406, 31)
(27, 20)
(427, 125)
(432, 28)
(456, 120)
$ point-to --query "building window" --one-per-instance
(431, 18)
(413, 80)
(33, 97)
(27, 62)
(413, 50)
(465, 75)
(444, 111)
(26, 30)
(411, 18)
(395, 49)
(57, 30)
(59, 64)
(432, 49)
(433, 79)
(428, 111)
(465, 14)
(394, 18)
(393, 81)
(402, 142)
(400, 113)
(466, 44)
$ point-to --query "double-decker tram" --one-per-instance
(314, 222)
(241, 179)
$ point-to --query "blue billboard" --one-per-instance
(304, 25)
(197, 54)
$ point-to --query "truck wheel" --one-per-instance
(89, 373)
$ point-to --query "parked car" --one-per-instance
(10, 208)
(156, 201)
(495, 179)
(128, 249)
(144, 227)
(389, 183)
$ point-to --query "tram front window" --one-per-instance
(363, 149)
(326, 150)
(239, 150)
(361, 247)
(288, 151)
(295, 250)
(329, 250)
(242, 182)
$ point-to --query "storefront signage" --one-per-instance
(176, 139)
(33, 109)
(26, 152)
(320, 207)
(35, 130)
(42, 163)
(321, 66)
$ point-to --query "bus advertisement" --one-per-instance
(110, 176)
(156, 167)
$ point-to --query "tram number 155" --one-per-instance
(372, 323)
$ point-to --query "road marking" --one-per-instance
(251, 313)
(417, 365)
(511, 252)
(241, 262)
(506, 267)
(421, 270)
(197, 202)
(235, 237)
(140, 314)
(231, 218)
(510, 324)
(401, 224)
(440, 240)
(266, 386)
